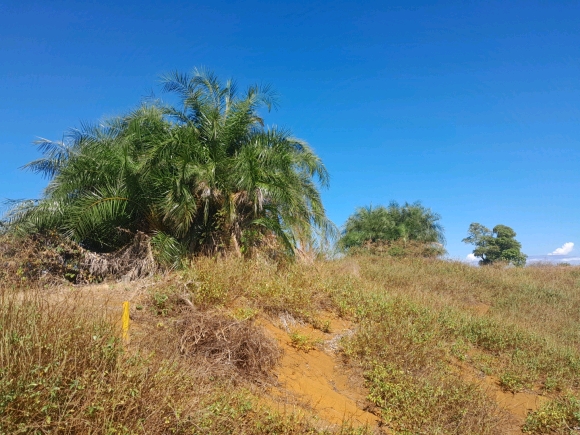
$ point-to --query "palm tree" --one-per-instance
(204, 175)
(407, 223)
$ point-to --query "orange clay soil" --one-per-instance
(316, 380)
(517, 405)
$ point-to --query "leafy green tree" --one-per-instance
(204, 175)
(379, 225)
(497, 245)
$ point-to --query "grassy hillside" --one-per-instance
(437, 348)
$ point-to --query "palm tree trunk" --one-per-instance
(236, 245)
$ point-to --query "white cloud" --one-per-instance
(471, 257)
(564, 250)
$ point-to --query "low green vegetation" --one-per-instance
(557, 416)
(410, 229)
(420, 339)
(302, 341)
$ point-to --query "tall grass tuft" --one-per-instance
(201, 365)
(64, 369)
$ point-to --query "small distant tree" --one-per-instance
(401, 229)
(497, 245)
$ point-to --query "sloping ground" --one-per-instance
(318, 381)
(311, 379)
(314, 378)
(516, 404)
(311, 376)
(394, 347)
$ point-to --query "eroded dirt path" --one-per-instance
(516, 405)
(316, 380)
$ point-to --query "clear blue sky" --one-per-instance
(471, 107)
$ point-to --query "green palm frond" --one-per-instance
(201, 173)
(168, 250)
(55, 154)
(409, 222)
(98, 216)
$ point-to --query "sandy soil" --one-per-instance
(317, 380)
(517, 405)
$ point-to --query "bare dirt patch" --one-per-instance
(316, 380)
(518, 405)
(478, 308)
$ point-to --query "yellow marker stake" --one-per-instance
(125, 320)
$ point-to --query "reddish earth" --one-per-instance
(517, 405)
(316, 380)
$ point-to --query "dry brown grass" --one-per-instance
(517, 325)
(224, 342)
(415, 318)
(53, 259)
(64, 370)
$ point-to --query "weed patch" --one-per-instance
(559, 416)
(303, 342)
(197, 363)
